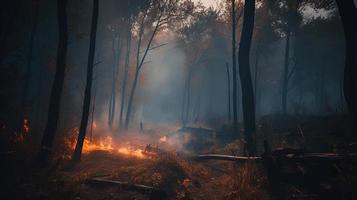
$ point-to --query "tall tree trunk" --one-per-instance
(28, 68)
(348, 13)
(322, 99)
(139, 64)
(188, 103)
(183, 106)
(286, 73)
(256, 73)
(87, 93)
(245, 76)
(116, 49)
(131, 97)
(234, 68)
(126, 68)
(229, 91)
(92, 113)
(57, 86)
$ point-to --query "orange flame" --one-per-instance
(106, 144)
(26, 126)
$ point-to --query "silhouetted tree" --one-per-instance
(57, 86)
(348, 13)
(245, 76)
(87, 93)
(229, 91)
(125, 79)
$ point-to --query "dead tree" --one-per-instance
(165, 14)
(348, 13)
(229, 91)
(245, 76)
(57, 86)
(125, 79)
(87, 93)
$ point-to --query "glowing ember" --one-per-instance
(26, 126)
(138, 153)
(105, 144)
(163, 139)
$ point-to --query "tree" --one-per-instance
(287, 18)
(57, 86)
(159, 14)
(116, 50)
(87, 93)
(229, 91)
(245, 75)
(125, 79)
(348, 13)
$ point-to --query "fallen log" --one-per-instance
(292, 157)
(227, 158)
(143, 189)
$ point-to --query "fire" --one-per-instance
(26, 126)
(163, 139)
(107, 144)
(138, 153)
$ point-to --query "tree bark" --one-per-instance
(125, 79)
(234, 68)
(256, 74)
(229, 92)
(57, 86)
(92, 113)
(286, 72)
(87, 93)
(245, 76)
(139, 64)
(116, 49)
(348, 13)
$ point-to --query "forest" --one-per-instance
(178, 99)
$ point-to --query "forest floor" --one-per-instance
(177, 175)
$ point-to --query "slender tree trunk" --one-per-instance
(256, 72)
(131, 97)
(183, 106)
(28, 68)
(286, 72)
(348, 13)
(92, 114)
(322, 101)
(116, 58)
(245, 76)
(188, 103)
(229, 91)
(139, 65)
(126, 68)
(57, 86)
(87, 93)
(234, 68)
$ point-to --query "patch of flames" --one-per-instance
(163, 139)
(107, 144)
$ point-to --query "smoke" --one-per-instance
(163, 81)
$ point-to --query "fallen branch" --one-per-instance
(292, 157)
(227, 158)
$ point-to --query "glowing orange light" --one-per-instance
(26, 126)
